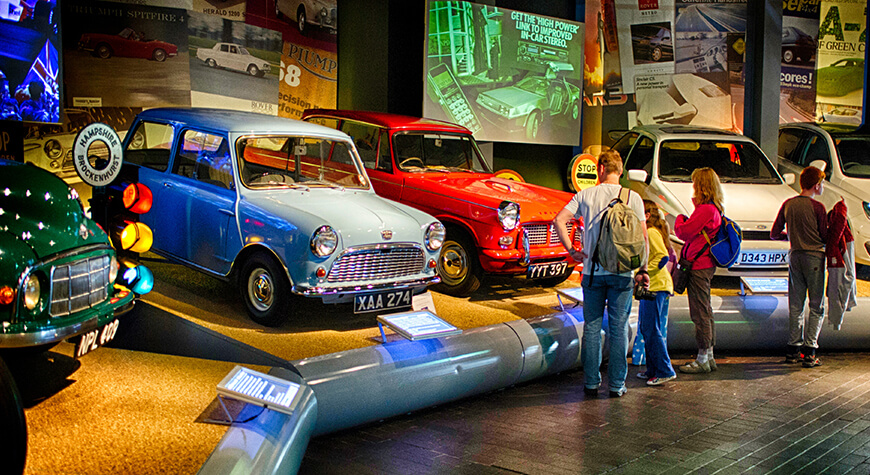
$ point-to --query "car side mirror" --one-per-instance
(789, 178)
(820, 164)
(638, 175)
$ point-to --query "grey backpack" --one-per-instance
(620, 246)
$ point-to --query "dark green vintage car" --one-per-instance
(57, 267)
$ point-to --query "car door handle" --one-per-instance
(227, 212)
(166, 184)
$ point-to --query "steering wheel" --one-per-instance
(677, 171)
(408, 160)
(271, 178)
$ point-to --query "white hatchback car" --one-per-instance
(233, 56)
(659, 160)
(846, 158)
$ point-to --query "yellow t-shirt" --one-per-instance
(659, 279)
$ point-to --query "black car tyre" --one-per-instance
(159, 55)
(457, 266)
(301, 19)
(253, 70)
(656, 54)
(211, 63)
(103, 51)
(265, 290)
(13, 436)
(533, 124)
(554, 281)
(787, 56)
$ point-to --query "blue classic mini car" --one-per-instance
(281, 207)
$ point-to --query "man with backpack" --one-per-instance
(614, 244)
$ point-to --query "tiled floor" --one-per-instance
(754, 415)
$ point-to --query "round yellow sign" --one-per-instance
(509, 175)
(583, 172)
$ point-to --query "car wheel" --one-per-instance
(554, 281)
(13, 437)
(787, 56)
(457, 266)
(253, 70)
(103, 51)
(533, 124)
(575, 110)
(159, 55)
(301, 19)
(656, 54)
(265, 290)
(211, 63)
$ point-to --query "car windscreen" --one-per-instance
(734, 162)
(293, 161)
(854, 154)
(436, 152)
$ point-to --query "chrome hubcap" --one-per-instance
(260, 289)
(453, 264)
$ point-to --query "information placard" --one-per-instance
(766, 285)
(261, 389)
(418, 325)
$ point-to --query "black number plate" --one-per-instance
(542, 271)
(381, 301)
(94, 339)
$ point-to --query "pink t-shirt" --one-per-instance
(705, 217)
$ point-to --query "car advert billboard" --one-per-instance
(506, 75)
(840, 64)
(30, 66)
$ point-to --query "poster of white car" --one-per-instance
(233, 56)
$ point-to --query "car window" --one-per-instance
(365, 137)
(225, 48)
(641, 157)
(817, 149)
(624, 144)
(854, 154)
(734, 162)
(293, 161)
(433, 152)
(149, 145)
(788, 144)
(385, 159)
(204, 157)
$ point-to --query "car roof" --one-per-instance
(392, 121)
(670, 131)
(836, 130)
(225, 120)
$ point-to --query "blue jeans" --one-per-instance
(615, 292)
(652, 320)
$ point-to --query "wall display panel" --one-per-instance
(800, 30)
(233, 65)
(308, 67)
(684, 99)
(506, 75)
(840, 65)
(646, 38)
(30, 63)
(127, 56)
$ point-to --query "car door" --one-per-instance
(373, 146)
(199, 198)
(816, 147)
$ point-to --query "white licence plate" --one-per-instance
(754, 258)
(94, 339)
(382, 300)
(542, 271)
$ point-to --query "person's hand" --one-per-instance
(642, 278)
(577, 255)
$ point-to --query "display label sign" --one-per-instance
(766, 285)
(261, 389)
(418, 325)
(86, 170)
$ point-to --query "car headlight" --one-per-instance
(32, 291)
(113, 270)
(324, 241)
(53, 149)
(508, 215)
(866, 209)
(435, 236)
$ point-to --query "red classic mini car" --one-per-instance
(127, 44)
(494, 226)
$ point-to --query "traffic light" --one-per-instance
(116, 208)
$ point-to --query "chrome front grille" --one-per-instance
(377, 263)
(545, 234)
(79, 285)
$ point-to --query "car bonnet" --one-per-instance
(746, 203)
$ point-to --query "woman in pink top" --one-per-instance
(706, 217)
